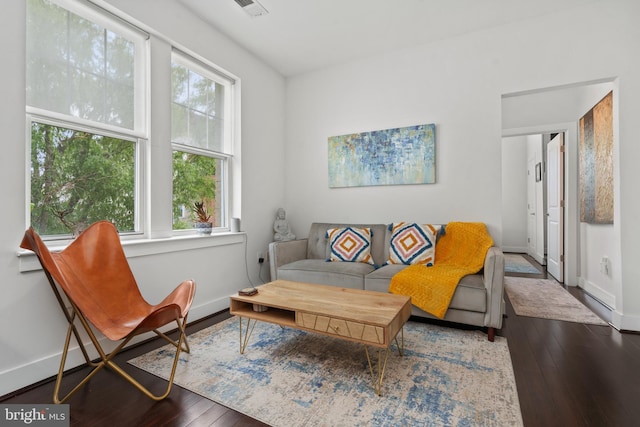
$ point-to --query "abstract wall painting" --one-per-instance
(384, 157)
(596, 163)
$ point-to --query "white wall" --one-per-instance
(33, 332)
(427, 85)
(514, 194)
(598, 241)
(601, 240)
(457, 84)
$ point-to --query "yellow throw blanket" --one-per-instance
(460, 251)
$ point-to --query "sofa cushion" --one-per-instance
(342, 274)
(379, 279)
(350, 244)
(470, 294)
(412, 243)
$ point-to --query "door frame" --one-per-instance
(571, 176)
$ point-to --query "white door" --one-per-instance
(531, 208)
(555, 207)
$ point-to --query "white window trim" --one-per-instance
(100, 15)
(28, 261)
(140, 182)
(62, 120)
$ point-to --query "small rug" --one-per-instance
(516, 263)
(547, 299)
(293, 378)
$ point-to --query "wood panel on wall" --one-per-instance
(596, 163)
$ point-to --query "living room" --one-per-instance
(457, 83)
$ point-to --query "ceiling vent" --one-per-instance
(252, 7)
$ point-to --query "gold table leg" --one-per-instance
(247, 333)
(377, 374)
(377, 371)
(401, 344)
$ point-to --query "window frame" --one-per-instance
(226, 156)
(138, 134)
(155, 234)
(33, 115)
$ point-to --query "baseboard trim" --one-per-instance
(625, 323)
(515, 249)
(606, 298)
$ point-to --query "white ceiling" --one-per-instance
(302, 35)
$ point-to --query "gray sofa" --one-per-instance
(478, 299)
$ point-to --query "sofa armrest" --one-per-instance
(494, 283)
(281, 253)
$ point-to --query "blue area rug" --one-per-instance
(286, 377)
(516, 263)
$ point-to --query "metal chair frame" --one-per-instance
(72, 312)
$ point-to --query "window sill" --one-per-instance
(143, 247)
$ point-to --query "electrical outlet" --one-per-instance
(604, 265)
(260, 257)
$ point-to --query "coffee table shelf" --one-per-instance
(275, 315)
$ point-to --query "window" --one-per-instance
(85, 113)
(201, 140)
(78, 178)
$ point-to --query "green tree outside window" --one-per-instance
(78, 178)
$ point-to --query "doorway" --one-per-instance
(533, 199)
(545, 111)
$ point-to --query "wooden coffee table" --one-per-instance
(373, 319)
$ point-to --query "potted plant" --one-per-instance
(203, 222)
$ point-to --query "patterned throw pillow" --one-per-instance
(413, 243)
(350, 244)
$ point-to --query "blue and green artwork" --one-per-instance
(384, 157)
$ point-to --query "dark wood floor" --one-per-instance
(567, 374)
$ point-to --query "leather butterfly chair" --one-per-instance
(94, 274)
